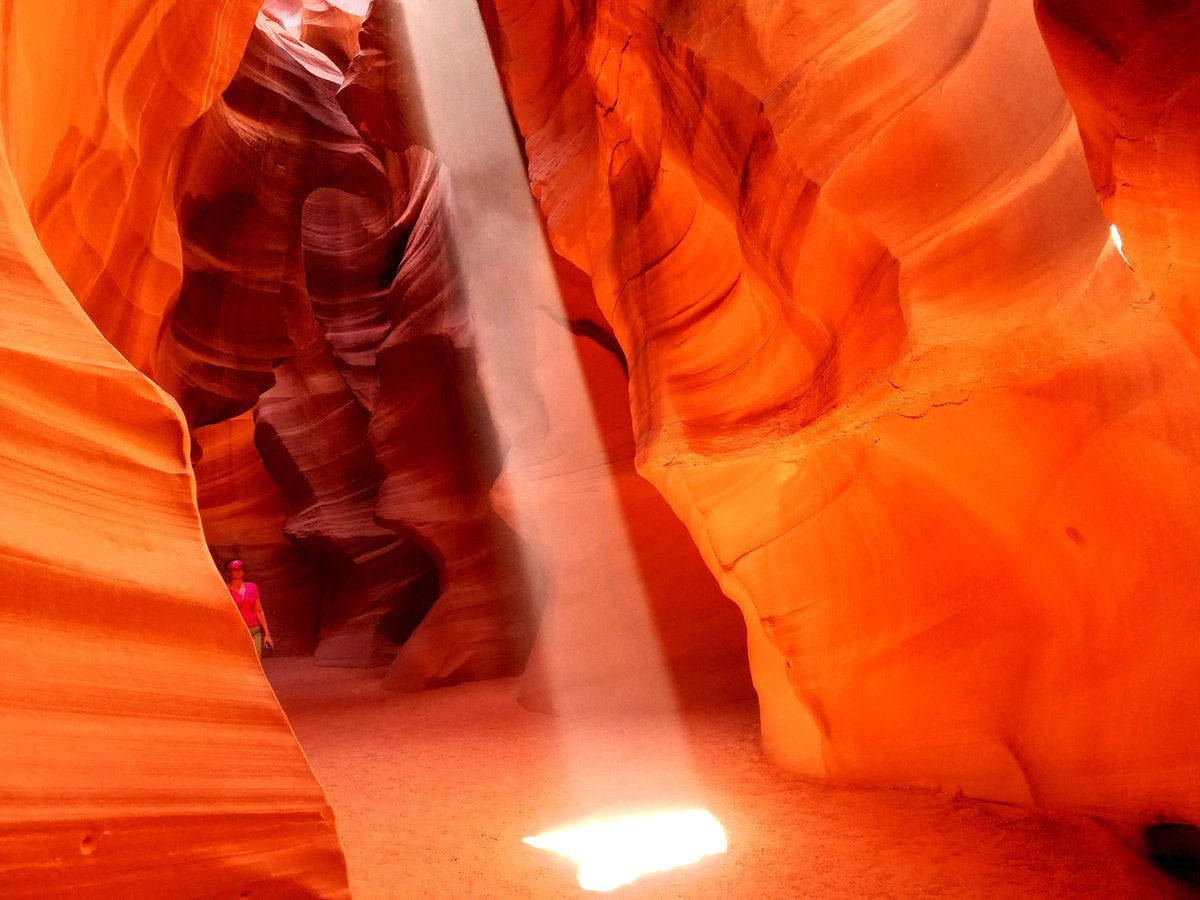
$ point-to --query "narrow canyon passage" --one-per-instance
(434, 792)
(777, 419)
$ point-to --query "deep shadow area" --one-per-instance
(398, 624)
(1175, 848)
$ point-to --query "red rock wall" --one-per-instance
(245, 325)
(244, 172)
(374, 424)
(662, 637)
(1131, 74)
(93, 166)
(143, 751)
(925, 427)
(317, 288)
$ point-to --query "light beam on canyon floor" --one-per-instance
(516, 314)
(615, 852)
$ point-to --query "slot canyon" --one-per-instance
(771, 425)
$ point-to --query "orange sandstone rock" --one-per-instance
(1131, 73)
(317, 276)
(667, 638)
(143, 751)
(245, 170)
(924, 426)
(631, 619)
(93, 165)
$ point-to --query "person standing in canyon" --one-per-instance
(245, 595)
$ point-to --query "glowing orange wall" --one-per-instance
(928, 431)
(142, 751)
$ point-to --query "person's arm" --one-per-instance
(262, 620)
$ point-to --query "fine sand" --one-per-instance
(433, 793)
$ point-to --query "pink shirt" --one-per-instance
(245, 600)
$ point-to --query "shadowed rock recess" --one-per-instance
(877, 394)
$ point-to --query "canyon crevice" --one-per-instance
(858, 343)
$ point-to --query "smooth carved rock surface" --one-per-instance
(392, 279)
(245, 170)
(668, 638)
(94, 166)
(923, 424)
(1133, 77)
(245, 326)
(631, 619)
(312, 436)
(433, 437)
(141, 743)
(316, 276)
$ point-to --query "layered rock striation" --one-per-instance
(925, 427)
(838, 286)
(370, 422)
(143, 751)
(632, 618)
(333, 305)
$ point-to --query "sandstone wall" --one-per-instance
(143, 751)
(321, 275)
(926, 428)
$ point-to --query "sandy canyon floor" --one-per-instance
(433, 793)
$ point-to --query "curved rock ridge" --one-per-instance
(244, 326)
(609, 644)
(1133, 77)
(381, 93)
(433, 437)
(317, 288)
(312, 436)
(94, 166)
(141, 740)
(245, 170)
(885, 368)
(632, 619)
(332, 28)
(392, 282)
(329, 26)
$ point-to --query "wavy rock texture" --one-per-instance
(632, 618)
(332, 28)
(921, 422)
(432, 434)
(245, 170)
(1133, 77)
(374, 425)
(143, 749)
(244, 326)
(316, 275)
(312, 435)
(329, 26)
(97, 185)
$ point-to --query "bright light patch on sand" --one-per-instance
(610, 853)
(1116, 239)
